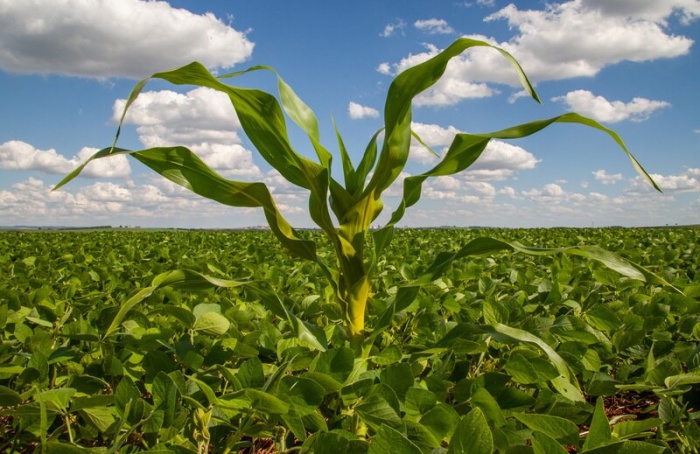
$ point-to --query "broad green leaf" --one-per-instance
(295, 424)
(337, 442)
(599, 433)
(355, 391)
(391, 441)
(690, 378)
(418, 402)
(521, 370)
(57, 399)
(165, 396)
(485, 402)
(441, 420)
(91, 402)
(212, 324)
(9, 397)
(420, 435)
(101, 417)
(472, 436)
(266, 403)
(303, 394)
(57, 447)
(562, 430)
(629, 447)
(125, 393)
(630, 429)
(375, 411)
(206, 390)
(337, 363)
(544, 444)
(398, 377)
(250, 374)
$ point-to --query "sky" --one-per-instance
(66, 67)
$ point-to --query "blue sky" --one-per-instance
(66, 67)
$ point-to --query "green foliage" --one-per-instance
(357, 353)
(443, 368)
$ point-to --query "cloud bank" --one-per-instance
(576, 38)
(80, 38)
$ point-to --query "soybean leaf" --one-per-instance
(9, 397)
(267, 403)
(599, 433)
(472, 436)
(631, 429)
(562, 430)
(212, 324)
(629, 447)
(544, 444)
(391, 441)
(376, 412)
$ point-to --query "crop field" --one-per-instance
(105, 350)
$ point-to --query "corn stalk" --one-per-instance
(344, 212)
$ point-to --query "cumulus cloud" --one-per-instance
(392, 28)
(358, 111)
(652, 10)
(606, 178)
(33, 202)
(18, 155)
(202, 119)
(685, 182)
(103, 38)
(434, 26)
(599, 108)
(576, 38)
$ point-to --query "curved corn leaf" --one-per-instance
(466, 149)
(183, 167)
(566, 383)
(397, 111)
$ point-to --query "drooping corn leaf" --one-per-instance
(467, 148)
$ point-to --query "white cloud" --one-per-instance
(508, 191)
(435, 135)
(358, 111)
(501, 160)
(33, 202)
(565, 40)
(446, 182)
(104, 38)
(652, 10)
(385, 68)
(683, 182)
(199, 109)
(202, 119)
(606, 178)
(551, 193)
(18, 155)
(394, 27)
(599, 108)
(675, 183)
(434, 26)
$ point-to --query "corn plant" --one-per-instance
(345, 210)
